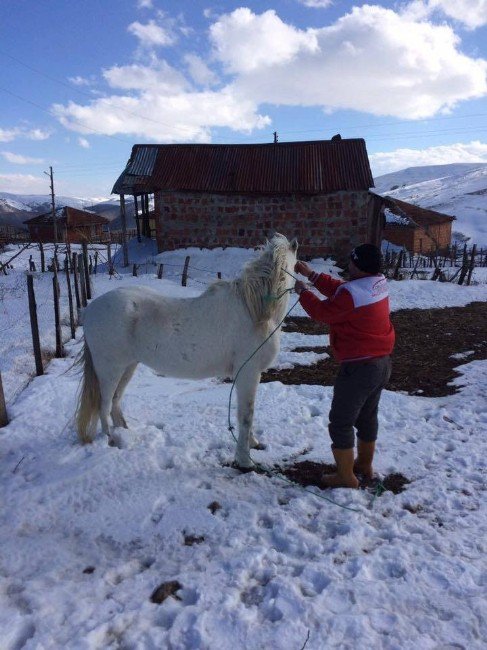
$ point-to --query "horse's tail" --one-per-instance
(88, 409)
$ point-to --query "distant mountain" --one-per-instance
(17, 208)
(459, 190)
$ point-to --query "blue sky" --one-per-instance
(82, 82)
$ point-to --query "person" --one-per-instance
(362, 339)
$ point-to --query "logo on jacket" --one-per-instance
(379, 287)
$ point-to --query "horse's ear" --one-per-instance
(294, 244)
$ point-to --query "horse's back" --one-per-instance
(110, 321)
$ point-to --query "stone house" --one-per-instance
(211, 196)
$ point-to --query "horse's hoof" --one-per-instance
(243, 469)
(117, 438)
(259, 446)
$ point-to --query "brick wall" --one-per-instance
(323, 224)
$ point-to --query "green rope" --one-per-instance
(260, 468)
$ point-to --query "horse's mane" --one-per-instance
(263, 281)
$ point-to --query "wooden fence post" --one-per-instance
(464, 271)
(34, 325)
(134, 270)
(43, 259)
(84, 246)
(96, 263)
(57, 318)
(160, 270)
(185, 271)
(3, 406)
(82, 280)
(76, 281)
(472, 264)
(70, 299)
(398, 265)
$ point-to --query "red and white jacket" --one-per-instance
(357, 313)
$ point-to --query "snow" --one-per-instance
(277, 562)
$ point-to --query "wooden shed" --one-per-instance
(70, 226)
(211, 196)
(418, 229)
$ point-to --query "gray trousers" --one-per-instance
(355, 403)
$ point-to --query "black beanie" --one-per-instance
(367, 258)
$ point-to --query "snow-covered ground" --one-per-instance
(87, 533)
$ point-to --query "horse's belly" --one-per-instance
(188, 362)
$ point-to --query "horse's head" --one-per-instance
(267, 280)
(285, 255)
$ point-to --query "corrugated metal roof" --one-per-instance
(318, 166)
(419, 216)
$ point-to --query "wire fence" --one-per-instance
(18, 363)
(23, 264)
(453, 264)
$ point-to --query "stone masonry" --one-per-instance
(323, 224)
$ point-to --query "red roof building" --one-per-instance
(70, 226)
(417, 229)
(211, 196)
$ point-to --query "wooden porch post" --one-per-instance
(124, 231)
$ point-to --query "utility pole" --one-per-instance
(53, 205)
(275, 137)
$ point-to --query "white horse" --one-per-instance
(212, 335)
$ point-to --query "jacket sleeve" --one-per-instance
(325, 283)
(334, 310)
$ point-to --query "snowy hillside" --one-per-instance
(459, 190)
(39, 202)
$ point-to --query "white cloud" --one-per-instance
(37, 134)
(472, 13)
(8, 135)
(372, 60)
(18, 159)
(245, 42)
(151, 34)
(23, 184)
(83, 142)
(199, 71)
(180, 116)
(79, 81)
(316, 4)
(144, 4)
(384, 163)
(160, 76)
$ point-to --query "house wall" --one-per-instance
(436, 237)
(45, 233)
(419, 240)
(400, 235)
(323, 224)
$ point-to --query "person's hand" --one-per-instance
(303, 268)
(299, 286)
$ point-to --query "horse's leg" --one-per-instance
(117, 415)
(109, 380)
(246, 385)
